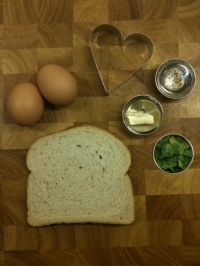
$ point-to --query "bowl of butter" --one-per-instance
(142, 115)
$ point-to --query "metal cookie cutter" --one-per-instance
(117, 58)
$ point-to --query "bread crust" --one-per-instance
(76, 127)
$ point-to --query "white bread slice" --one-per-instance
(78, 176)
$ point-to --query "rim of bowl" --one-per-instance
(152, 99)
(173, 134)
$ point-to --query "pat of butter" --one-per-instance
(139, 118)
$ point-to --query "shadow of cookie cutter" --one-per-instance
(120, 41)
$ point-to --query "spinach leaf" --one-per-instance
(173, 153)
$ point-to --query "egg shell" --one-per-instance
(25, 104)
(57, 84)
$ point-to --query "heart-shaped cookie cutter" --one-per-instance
(106, 43)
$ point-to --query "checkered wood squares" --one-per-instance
(166, 230)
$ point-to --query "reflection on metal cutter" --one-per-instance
(117, 58)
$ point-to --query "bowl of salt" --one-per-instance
(175, 78)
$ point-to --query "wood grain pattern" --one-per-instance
(166, 230)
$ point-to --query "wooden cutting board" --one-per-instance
(166, 230)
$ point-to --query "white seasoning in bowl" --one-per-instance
(173, 79)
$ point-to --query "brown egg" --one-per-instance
(57, 85)
(25, 104)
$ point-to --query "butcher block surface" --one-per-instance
(166, 230)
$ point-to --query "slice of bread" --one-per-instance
(78, 176)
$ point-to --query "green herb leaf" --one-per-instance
(173, 154)
(162, 142)
(173, 149)
(181, 157)
(187, 152)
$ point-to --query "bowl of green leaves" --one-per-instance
(173, 153)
